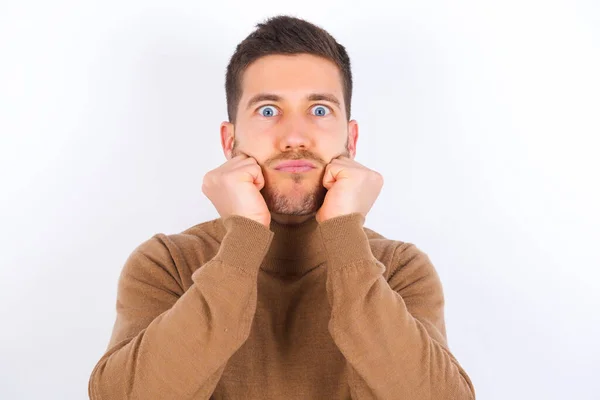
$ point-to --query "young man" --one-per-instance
(287, 295)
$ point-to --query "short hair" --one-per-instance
(284, 35)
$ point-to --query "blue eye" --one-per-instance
(320, 111)
(267, 111)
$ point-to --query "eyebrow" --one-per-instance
(311, 97)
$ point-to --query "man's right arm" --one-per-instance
(169, 344)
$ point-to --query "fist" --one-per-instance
(234, 189)
(351, 187)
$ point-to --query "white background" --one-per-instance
(483, 117)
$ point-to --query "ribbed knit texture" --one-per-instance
(231, 309)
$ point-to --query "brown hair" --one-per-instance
(284, 35)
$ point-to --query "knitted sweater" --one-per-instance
(231, 309)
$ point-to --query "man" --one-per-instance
(287, 295)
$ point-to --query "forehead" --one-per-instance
(291, 76)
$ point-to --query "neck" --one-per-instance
(297, 245)
(286, 219)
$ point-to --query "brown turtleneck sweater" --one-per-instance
(230, 309)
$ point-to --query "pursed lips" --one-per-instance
(295, 166)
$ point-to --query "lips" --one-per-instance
(295, 166)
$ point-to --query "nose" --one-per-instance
(294, 135)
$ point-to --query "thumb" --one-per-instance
(258, 179)
(333, 173)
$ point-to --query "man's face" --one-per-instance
(292, 108)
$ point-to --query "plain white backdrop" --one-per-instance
(482, 116)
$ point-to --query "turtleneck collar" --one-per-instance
(295, 248)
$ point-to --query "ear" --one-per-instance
(227, 138)
(352, 138)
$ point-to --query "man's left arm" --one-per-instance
(392, 334)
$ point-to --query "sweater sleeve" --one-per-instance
(171, 344)
(392, 333)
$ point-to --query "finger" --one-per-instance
(239, 158)
(247, 162)
(328, 177)
(257, 177)
(252, 173)
(248, 159)
(342, 157)
(259, 182)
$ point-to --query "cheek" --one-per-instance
(333, 126)
(331, 137)
(259, 131)
(258, 148)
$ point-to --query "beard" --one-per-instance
(297, 200)
(304, 195)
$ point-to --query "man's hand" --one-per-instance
(234, 189)
(351, 187)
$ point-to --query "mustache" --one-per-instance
(297, 155)
(304, 155)
(292, 156)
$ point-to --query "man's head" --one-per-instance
(289, 88)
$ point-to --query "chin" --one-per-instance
(293, 200)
